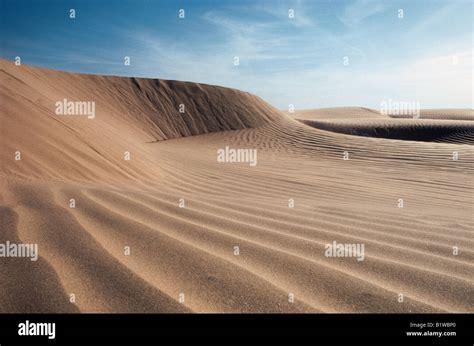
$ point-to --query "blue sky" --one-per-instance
(426, 56)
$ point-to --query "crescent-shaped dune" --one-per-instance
(172, 229)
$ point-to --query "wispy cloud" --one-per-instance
(354, 14)
(297, 61)
(298, 68)
(281, 10)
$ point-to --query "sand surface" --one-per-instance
(425, 130)
(189, 252)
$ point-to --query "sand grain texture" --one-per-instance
(191, 250)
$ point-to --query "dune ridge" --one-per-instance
(183, 259)
(336, 113)
(450, 131)
(443, 114)
(132, 111)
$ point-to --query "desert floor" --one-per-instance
(181, 213)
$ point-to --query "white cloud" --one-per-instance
(304, 67)
(435, 82)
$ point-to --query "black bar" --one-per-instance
(220, 329)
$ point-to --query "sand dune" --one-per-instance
(337, 113)
(450, 131)
(189, 252)
(440, 114)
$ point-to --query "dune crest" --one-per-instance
(337, 113)
(130, 113)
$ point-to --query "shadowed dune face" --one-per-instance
(450, 131)
(172, 229)
(433, 125)
(443, 114)
(130, 112)
(337, 113)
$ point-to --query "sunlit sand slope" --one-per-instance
(174, 230)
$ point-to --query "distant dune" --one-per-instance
(172, 229)
(443, 125)
(450, 131)
(337, 113)
(446, 114)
